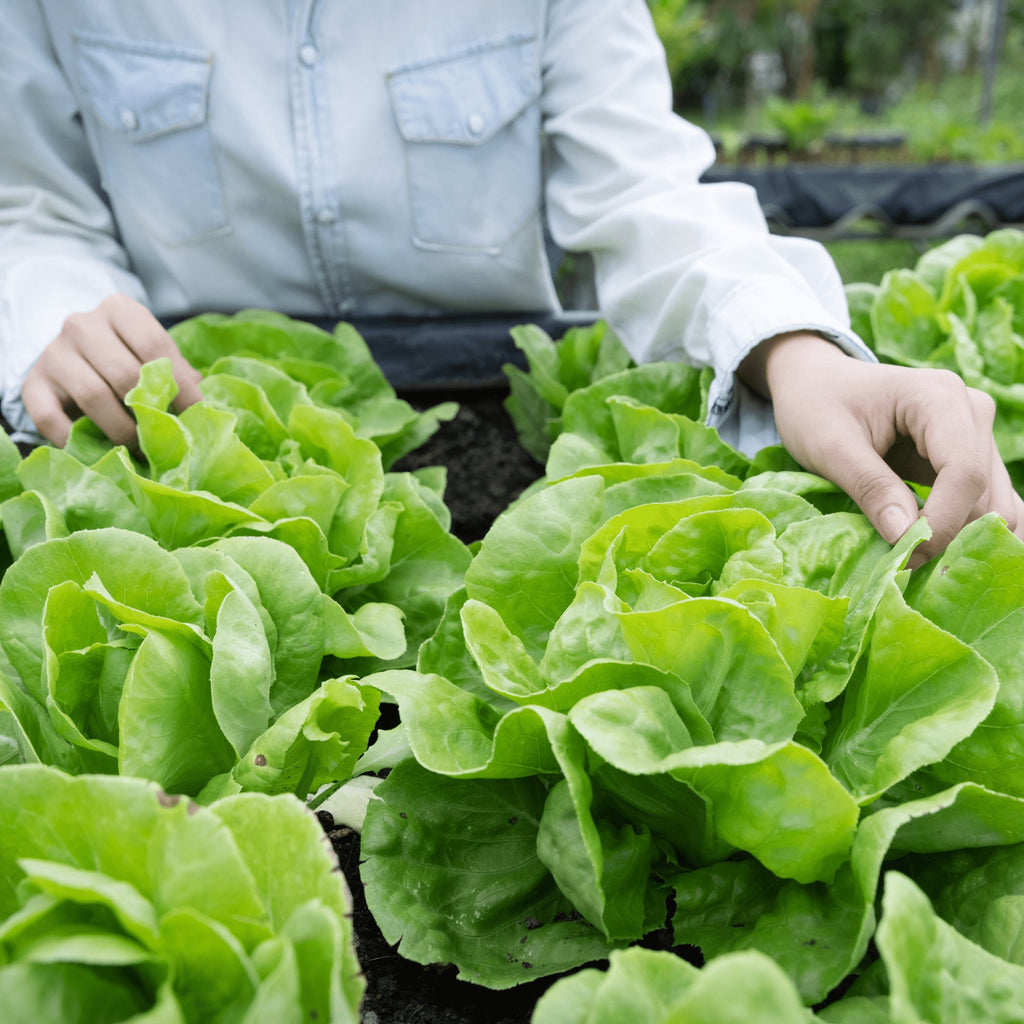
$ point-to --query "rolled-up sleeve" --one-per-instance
(684, 270)
(59, 250)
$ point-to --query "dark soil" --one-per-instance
(487, 467)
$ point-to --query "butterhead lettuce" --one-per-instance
(708, 698)
(119, 902)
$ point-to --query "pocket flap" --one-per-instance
(143, 89)
(468, 97)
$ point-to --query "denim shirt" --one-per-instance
(402, 157)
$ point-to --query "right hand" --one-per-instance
(93, 363)
(868, 427)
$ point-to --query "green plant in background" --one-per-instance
(945, 141)
(960, 308)
(803, 124)
(881, 64)
(868, 260)
(679, 24)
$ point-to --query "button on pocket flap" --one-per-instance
(143, 89)
(466, 98)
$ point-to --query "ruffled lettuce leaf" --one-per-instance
(119, 901)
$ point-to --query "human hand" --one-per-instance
(868, 427)
(93, 363)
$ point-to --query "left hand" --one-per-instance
(868, 427)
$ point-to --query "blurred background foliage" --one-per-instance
(921, 82)
(942, 75)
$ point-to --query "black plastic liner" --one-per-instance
(453, 351)
(448, 353)
(806, 196)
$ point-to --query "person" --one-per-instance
(159, 160)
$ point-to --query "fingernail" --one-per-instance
(894, 522)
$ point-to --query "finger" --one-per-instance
(146, 337)
(45, 407)
(880, 493)
(1004, 500)
(110, 359)
(953, 430)
(94, 397)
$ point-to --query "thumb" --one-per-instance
(880, 494)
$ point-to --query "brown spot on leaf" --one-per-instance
(260, 760)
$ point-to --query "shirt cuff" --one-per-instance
(36, 296)
(742, 417)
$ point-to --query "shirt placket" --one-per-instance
(319, 194)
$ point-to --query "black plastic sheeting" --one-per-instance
(453, 352)
(449, 353)
(804, 196)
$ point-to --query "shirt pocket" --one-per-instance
(149, 102)
(470, 126)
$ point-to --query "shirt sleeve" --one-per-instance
(59, 250)
(684, 270)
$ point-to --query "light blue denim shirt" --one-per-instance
(400, 157)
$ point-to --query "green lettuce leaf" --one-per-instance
(188, 921)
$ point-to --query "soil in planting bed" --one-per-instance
(487, 466)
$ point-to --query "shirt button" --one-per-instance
(128, 118)
(475, 123)
(308, 54)
(325, 215)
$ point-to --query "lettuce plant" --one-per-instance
(121, 903)
(199, 669)
(665, 686)
(290, 360)
(537, 395)
(264, 454)
(644, 986)
(203, 617)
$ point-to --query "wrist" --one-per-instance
(785, 356)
